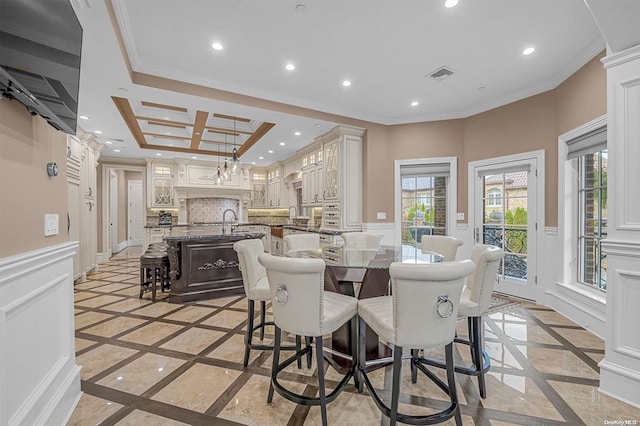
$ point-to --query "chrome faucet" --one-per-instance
(224, 221)
(291, 218)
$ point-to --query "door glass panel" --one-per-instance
(505, 221)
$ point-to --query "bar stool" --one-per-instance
(302, 307)
(474, 304)
(154, 270)
(298, 242)
(421, 313)
(443, 245)
(256, 288)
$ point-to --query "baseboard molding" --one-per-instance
(579, 306)
(103, 257)
(121, 246)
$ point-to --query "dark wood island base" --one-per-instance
(203, 264)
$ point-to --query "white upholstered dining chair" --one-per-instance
(443, 245)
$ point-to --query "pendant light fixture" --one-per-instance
(234, 160)
(218, 178)
(227, 173)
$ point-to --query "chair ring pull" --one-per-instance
(281, 295)
(442, 300)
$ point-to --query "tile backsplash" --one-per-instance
(207, 210)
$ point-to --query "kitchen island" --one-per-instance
(203, 264)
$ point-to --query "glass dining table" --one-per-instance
(362, 273)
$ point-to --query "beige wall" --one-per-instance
(27, 144)
(527, 125)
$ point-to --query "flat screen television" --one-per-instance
(40, 47)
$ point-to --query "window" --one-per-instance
(494, 197)
(592, 223)
(588, 156)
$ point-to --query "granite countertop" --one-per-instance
(212, 225)
(206, 232)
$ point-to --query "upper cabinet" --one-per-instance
(259, 188)
(313, 176)
(161, 178)
(342, 206)
(274, 190)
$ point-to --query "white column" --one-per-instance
(620, 368)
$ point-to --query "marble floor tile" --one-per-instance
(114, 326)
(226, 319)
(83, 344)
(581, 338)
(223, 301)
(249, 406)
(191, 391)
(232, 350)
(550, 317)
(594, 407)
(151, 333)
(92, 411)
(127, 305)
(101, 358)
(157, 309)
(142, 373)
(190, 314)
(557, 361)
(193, 340)
(87, 285)
(87, 318)
(96, 302)
(82, 295)
(140, 418)
(111, 288)
(131, 291)
(518, 394)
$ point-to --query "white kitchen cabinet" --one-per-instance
(342, 204)
(155, 235)
(161, 190)
(275, 195)
(313, 177)
(263, 229)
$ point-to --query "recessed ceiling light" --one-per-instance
(116, 150)
(99, 132)
(270, 151)
(282, 144)
(108, 142)
(297, 133)
(528, 50)
(317, 124)
(217, 46)
(450, 3)
(194, 157)
(346, 83)
(84, 117)
(158, 154)
(415, 103)
(260, 158)
(290, 67)
(253, 162)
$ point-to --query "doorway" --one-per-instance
(507, 203)
(135, 213)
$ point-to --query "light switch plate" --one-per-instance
(382, 215)
(459, 216)
(50, 224)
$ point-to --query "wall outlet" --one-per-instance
(382, 215)
(459, 216)
(51, 224)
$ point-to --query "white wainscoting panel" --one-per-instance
(387, 229)
(39, 379)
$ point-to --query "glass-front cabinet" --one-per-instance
(162, 185)
(331, 170)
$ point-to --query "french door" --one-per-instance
(506, 206)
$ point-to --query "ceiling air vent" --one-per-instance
(441, 73)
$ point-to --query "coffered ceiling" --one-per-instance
(144, 60)
(174, 128)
